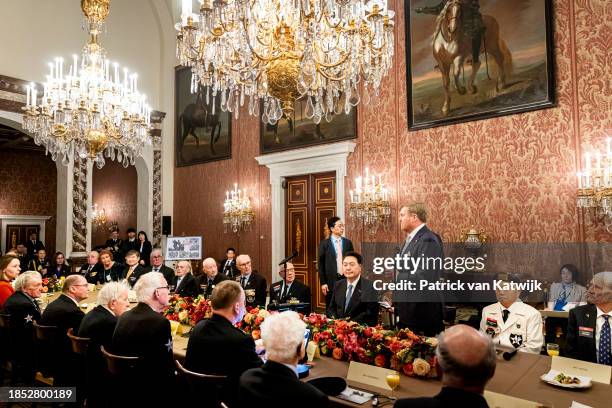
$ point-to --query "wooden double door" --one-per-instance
(310, 201)
(16, 234)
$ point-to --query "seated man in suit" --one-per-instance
(467, 361)
(589, 336)
(216, 346)
(40, 263)
(132, 270)
(276, 383)
(183, 283)
(254, 285)
(228, 265)
(92, 269)
(24, 311)
(65, 313)
(354, 298)
(144, 333)
(98, 325)
(511, 323)
(288, 289)
(157, 265)
(211, 277)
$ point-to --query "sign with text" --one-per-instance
(569, 366)
(364, 374)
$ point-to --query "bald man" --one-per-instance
(289, 289)
(588, 326)
(210, 278)
(467, 361)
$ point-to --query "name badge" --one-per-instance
(585, 332)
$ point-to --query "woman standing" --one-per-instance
(60, 268)
(145, 248)
(9, 269)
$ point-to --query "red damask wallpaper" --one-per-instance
(513, 176)
(28, 186)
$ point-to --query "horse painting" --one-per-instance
(199, 115)
(452, 46)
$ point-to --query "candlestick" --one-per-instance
(28, 96)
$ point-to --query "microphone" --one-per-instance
(509, 354)
(290, 257)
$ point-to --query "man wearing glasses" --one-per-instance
(331, 253)
(157, 265)
(290, 290)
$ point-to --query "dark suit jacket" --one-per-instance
(363, 306)
(448, 397)
(128, 246)
(138, 272)
(23, 312)
(276, 385)
(577, 346)
(113, 274)
(115, 246)
(144, 333)
(328, 269)
(188, 286)
(217, 347)
(231, 271)
(94, 275)
(164, 270)
(145, 254)
(33, 248)
(297, 290)
(36, 264)
(257, 283)
(63, 271)
(204, 288)
(421, 317)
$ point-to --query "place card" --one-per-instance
(359, 373)
(598, 372)
(496, 400)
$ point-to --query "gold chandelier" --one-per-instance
(237, 211)
(92, 110)
(278, 51)
(370, 202)
(595, 185)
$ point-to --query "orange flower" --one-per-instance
(337, 353)
(380, 360)
(256, 334)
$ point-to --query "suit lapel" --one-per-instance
(342, 295)
(590, 317)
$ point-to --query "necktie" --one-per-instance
(604, 343)
(505, 314)
(338, 248)
(349, 294)
(243, 282)
(155, 269)
(563, 294)
(285, 292)
(210, 282)
(178, 283)
(89, 269)
(129, 272)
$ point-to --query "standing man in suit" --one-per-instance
(157, 265)
(114, 244)
(287, 289)
(228, 265)
(276, 383)
(354, 298)
(588, 326)
(211, 277)
(422, 317)
(184, 283)
(216, 346)
(467, 361)
(92, 269)
(144, 333)
(65, 313)
(24, 311)
(22, 254)
(331, 253)
(130, 243)
(133, 270)
(34, 245)
(254, 285)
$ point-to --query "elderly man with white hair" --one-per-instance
(24, 310)
(144, 333)
(157, 265)
(92, 268)
(276, 383)
(183, 283)
(254, 285)
(588, 326)
(210, 278)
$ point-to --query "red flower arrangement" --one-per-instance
(187, 310)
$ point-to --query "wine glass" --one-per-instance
(552, 349)
(393, 380)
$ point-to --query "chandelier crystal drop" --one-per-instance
(90, 108)
(279, 51)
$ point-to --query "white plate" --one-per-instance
(549, 377)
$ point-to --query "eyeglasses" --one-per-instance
(82, 284)
(163, 287)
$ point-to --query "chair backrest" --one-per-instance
(79, 344)
(5, 321)
(206, 386)
(119, 365)
(45, 333)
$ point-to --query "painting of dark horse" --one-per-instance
(299, 131)
(474, 59)
(203, 131)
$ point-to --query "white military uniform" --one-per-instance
(522, 330)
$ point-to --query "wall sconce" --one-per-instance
(237, 211)
(370, 202)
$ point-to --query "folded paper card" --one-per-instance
(597, 372)
(364, 374)
(496, 400)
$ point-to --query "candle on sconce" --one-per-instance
(28, 94)
(609, 143)
(598, 161)
(587, 162)
(579, 175)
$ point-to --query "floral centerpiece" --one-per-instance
(187, 310)
(252, 320)
(52, 284)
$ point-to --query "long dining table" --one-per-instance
(519, 377)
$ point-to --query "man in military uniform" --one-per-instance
(40, 264)
(473, 25)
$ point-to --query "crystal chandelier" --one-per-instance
(98, 217)
(237, 211)
(279, 51)
(370, 202)
(595, 185)
(92, 110)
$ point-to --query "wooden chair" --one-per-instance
(207, 386)
(5, 321)
(119, 365)
(5, 343)
(46, 339)
(45, 333)
(80, 345)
